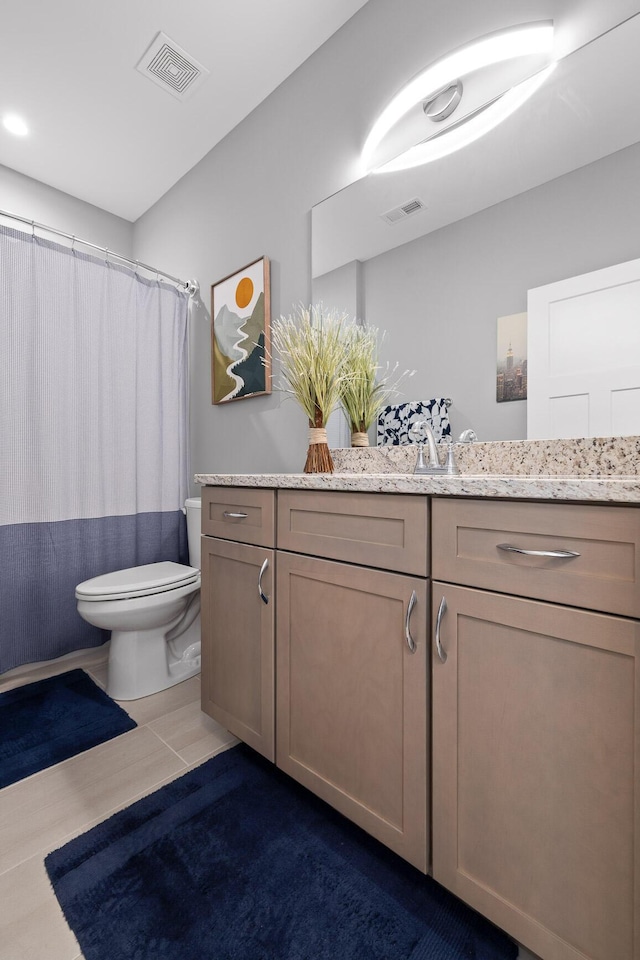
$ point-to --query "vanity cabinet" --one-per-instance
(521, 731)
(351, 660)
(536, 721)
(238, 613)
(351, 606)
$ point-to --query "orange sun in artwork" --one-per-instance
(244, 292)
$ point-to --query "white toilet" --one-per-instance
(153, 612)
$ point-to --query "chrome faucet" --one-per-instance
(421, 432)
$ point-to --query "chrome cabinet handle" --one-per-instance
(234, 516)
(262, 595)
(556, 554)
(442, 609)
(407, 630)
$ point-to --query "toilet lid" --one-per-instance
(138, 581)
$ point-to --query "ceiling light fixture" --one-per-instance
(15, 124)
(469, 130)
(510, 44)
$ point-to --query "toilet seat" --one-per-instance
(138, 581)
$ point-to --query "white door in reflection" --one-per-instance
(584, 355)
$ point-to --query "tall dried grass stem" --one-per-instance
(366, 390)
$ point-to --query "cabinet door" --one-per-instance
(238, 640)
(536, 813)
(352, 697)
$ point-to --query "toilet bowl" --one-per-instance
(153, 613)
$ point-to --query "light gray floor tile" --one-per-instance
(157, 705)
(191, 733)
(37, 813)
(32, 926)
(31, 672)
(98, 672)
(44, 811)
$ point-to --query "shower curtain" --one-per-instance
(93, 436)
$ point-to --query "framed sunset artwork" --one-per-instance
(240, 324)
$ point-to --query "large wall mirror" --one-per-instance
(551, 193)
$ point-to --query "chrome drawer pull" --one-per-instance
(262, 596)
(555, 554)
(407, 631)
(235, 516)
(442, 609)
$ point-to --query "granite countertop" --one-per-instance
(604, 489)
(600, 469)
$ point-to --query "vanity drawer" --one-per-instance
(239, 513)
(471, 537)
(389, 531)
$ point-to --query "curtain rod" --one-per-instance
(191, 286)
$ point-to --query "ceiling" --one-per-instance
(103, 132)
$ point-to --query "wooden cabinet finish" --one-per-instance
(604, 576)
(389, 531)
(238, 641)
(536, 766)
(352, 699)
(239, 513)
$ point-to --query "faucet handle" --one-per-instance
(451, 466)
(467, 436)
(417, 431)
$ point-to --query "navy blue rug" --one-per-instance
(234, 861)
(51, 720)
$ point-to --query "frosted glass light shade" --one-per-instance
(470, 130)
(510, 44)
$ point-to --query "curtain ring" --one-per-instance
(33, 229)
(73, 244)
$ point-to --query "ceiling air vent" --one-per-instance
(172, 68)
(403, 211)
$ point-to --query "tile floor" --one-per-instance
(43, 811)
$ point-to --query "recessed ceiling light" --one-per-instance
(15, 124)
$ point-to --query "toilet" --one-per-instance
(153, 613)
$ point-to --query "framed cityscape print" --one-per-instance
(240, 325)
(511, 376)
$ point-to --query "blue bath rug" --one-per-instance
(234, 861)
(51, 720)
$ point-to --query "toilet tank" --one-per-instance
(193, 508)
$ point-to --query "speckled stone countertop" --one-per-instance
(601, 469)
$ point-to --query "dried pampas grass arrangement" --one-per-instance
(364, 391)
(310, 345)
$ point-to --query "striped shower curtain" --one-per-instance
(93, 436)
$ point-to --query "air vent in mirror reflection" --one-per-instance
(403, 211)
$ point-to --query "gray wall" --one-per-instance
(342, 286)
(36, 201)
(439, 297)
(252, 194)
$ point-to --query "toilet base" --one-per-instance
(140, 663)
